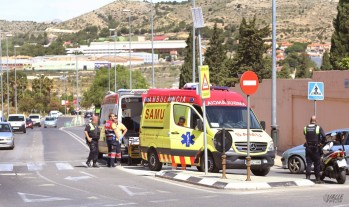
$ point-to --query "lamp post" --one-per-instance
(2, 86)
(152, 43)
(77, 82)
(129, 46)
(7, 82)
(114, 58)
(16, 99)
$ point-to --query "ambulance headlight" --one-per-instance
(271, 146)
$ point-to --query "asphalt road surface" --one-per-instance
(47, 168)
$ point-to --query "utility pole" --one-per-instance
(152, 43)
(274, 130)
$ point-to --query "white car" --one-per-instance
(7, 139)
(54, 114)
(36, 118)
(17, 122)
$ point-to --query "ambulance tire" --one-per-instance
(211, 165)
(153, 161)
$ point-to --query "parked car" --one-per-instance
(7, 139)
(29, 123)
(75, 112)
(50, 122)
(88, 114)
(294, 158)
(17, 122)
(36, 118)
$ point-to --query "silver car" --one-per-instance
(50, 122)
(294, 158)
(7, 139)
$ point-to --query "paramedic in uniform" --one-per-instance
(121, 130)
(314, 136)
(112, 138)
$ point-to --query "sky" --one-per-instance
(47, 10)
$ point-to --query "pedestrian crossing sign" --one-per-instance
(204, 81)
(316, 91)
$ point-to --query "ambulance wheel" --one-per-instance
(211, 165)
(153, 161)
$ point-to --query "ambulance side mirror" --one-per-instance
(263, 124)
(200, 125)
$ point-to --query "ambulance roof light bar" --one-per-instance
(192, 86)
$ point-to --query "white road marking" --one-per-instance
(76, 137)
(163, 201)
(34, 166)
(249, 83)
(47, 185)
(77, 178)
(141, 191)
(31, 198)
(88, 174)
(121, 204)
(6, 167)
(64, 166)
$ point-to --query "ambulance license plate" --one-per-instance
(254, 162)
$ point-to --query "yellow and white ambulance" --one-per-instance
(164, 138)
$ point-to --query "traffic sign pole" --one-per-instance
(315, 107)
(249, 85)
(248, 158)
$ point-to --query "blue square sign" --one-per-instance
(316, 91)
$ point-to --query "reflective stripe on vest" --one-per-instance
(317, 130)
(91, 127)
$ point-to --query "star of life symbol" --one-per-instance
(188, 139)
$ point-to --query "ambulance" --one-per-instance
(127, 104)
(163, 139)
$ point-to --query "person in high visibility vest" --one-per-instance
(314, 136)
(112, 138)
(92, 133)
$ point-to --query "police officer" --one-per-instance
(92, 133)
(112, 139)
(314, 136)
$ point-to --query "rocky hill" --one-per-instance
(296, 19)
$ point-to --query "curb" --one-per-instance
(171, 175)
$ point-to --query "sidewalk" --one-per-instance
(234, 181)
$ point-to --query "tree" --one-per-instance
(296, 47)
(251, 49)
(284, 72)
(186, 71)
(326, 64)
(216, 58)
(305, 65)
(95, 94)
(340, 36)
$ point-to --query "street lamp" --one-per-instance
(129, 47)
(2, 86)
(152, 43)
(8, 88)
(114, 59)
(77, 82)
(64, 78)
(16, 99)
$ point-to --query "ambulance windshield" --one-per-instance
(230, 117)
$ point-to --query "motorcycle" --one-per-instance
(333, 163)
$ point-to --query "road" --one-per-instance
(46, 168)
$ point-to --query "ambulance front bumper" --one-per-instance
(238, 161)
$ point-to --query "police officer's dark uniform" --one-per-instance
(93, 132)
(314, 136)
(112, 141)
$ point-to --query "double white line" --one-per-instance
(76, 137)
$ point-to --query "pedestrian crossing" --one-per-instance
(39, 166)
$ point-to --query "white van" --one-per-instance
(17, 122)
(54, 114)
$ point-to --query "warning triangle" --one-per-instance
(316, 91)
(205, 85)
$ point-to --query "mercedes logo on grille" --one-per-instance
(253, 147)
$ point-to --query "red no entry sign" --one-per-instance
(249, 82)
